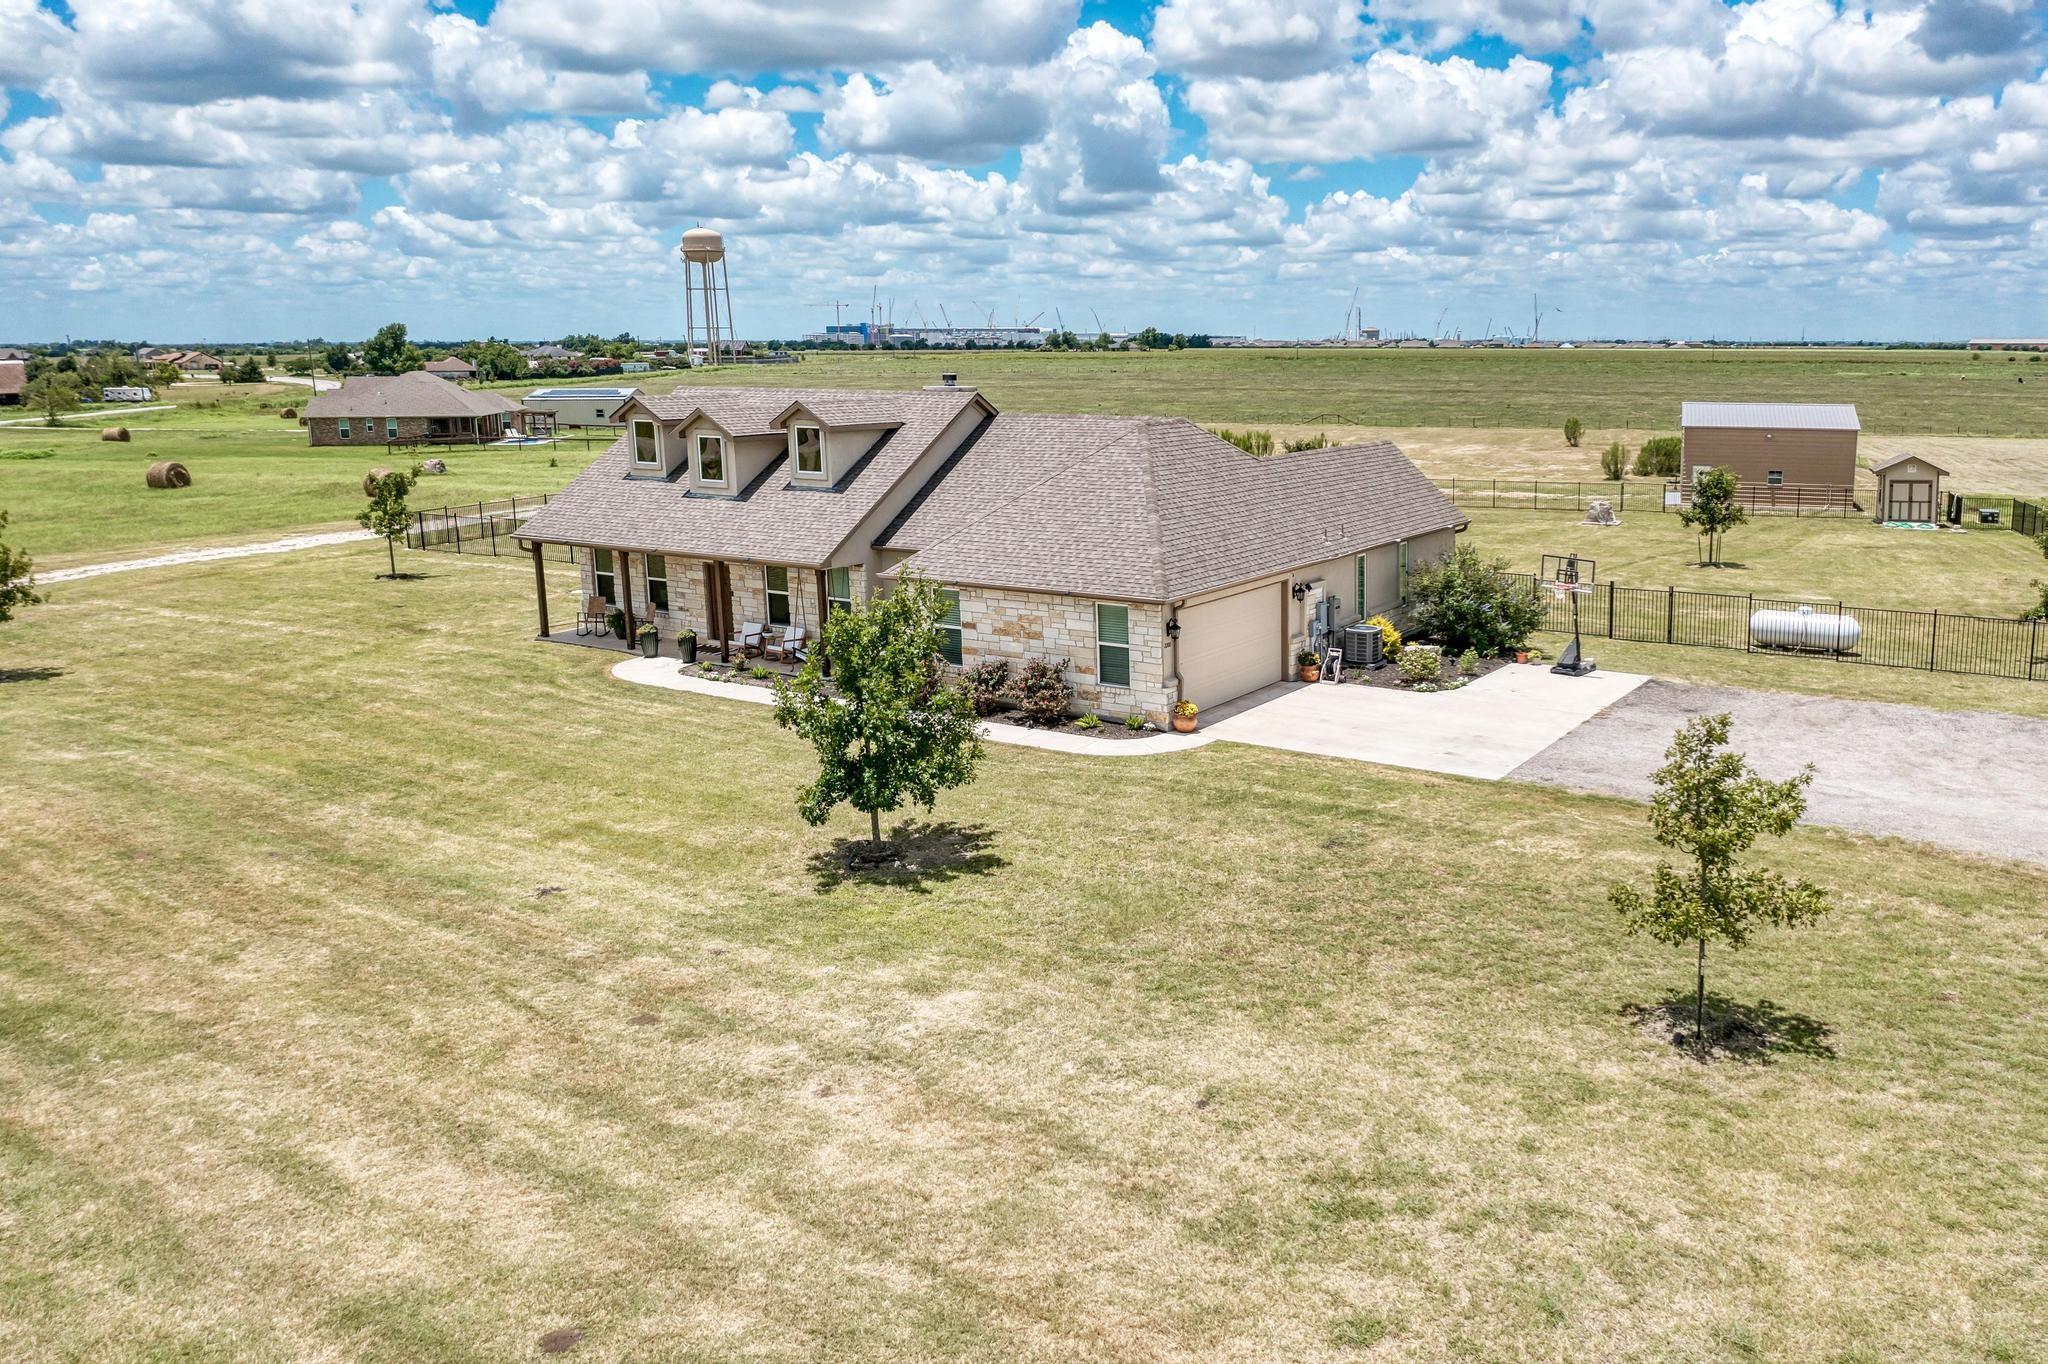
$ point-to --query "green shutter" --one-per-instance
(949, 629)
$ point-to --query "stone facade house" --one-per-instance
(409, 409)
(1161, 562)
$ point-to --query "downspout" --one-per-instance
(1180, 690)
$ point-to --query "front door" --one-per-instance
(1911, 500)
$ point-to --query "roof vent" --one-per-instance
(949, 379)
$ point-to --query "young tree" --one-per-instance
(1714, 510)
(17, 580)
(388, 352)
(164, 375)
(1712, 806)
(1573, 429)
(897, 730)
(387, 513)
(53, 395)
(250, 371)
(1614, 461)
(1468, 602)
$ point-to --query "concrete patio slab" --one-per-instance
(1486, 729)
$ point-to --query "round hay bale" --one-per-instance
(289, 413)
(435, 466)
(113, 433)
(168, 473)
(372, 478)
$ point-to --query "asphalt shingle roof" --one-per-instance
(770, 521)
(414, 394)
(1772, 416)
(1161, 510)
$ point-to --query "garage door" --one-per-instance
(1231, 645)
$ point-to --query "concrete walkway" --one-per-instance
(200, 556)
(1969, 780)
(1484, 730)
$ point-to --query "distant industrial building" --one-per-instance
(872, 334)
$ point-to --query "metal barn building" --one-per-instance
(580, 406)
(1785, 454)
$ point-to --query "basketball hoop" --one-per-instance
(1569, 577)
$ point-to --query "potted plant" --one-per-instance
(615, 621)
(1311, 665)
(686, 646)
(1184, 713)
(650, 639)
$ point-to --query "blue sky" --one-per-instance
(207, 169)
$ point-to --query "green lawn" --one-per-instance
(73, 497)
(380, 985)
(1944, 392)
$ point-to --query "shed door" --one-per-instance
(1912, 499)
(1232, 645)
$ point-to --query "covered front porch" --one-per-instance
(742, 613)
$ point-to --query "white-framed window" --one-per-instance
(807, 450)
(607, 582)
(949, 628)
(839, 589)
(657, 582)
(646, 455)
(391, 428)
(710, 459)
(778, 595)
(1112, 644)
(1775, 477)
(341, 427)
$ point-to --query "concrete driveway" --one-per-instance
(1486, 729)
(1962, 779)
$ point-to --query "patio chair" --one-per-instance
(751, 639)
(787, 647)
(591, 619)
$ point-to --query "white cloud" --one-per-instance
(1265, 38)
(33, 43)
(957, 117)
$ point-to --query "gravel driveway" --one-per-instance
(1962, 779)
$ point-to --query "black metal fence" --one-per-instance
(1888, 637)
(1536, 494)
(2029, 518)
(480, 528)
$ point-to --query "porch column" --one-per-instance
(725, 611)
(540, 587)
(623, 563)
(824, 610)
(712, 619)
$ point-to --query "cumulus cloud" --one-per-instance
(1263, 38)
(922, 110)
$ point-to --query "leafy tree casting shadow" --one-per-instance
(917, 855)
(1755, 1033)
(33, 674)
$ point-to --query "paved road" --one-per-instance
(1963, 779)
(303, 381)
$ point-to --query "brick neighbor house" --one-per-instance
(450, 367)
(1158, 560)
(13, 378)
(409, 409)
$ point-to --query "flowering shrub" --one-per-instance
(1390, 638)
(1422, 663)
(988, 685)
(1043, 692)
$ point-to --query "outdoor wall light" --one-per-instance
(1173, 628)
(1300, 591)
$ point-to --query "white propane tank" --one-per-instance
(1805, 628)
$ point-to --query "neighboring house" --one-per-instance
(538, 355)
(189, 361)
(1785, 454)
(581, 406)
(634, 366)
(1158, 560)
(414, 408)
(451, 367)
(1909, 489)
(13, 377)
(12, 353)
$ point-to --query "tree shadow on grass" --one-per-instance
(403, 577)
(34, 674)
(1753, 1033)
(915, 855)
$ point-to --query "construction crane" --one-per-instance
(1099, 328)
(1034, 317)
(1437, 335)
(1536, 311)
(1347, 334)
(943, 318)
(835, 305)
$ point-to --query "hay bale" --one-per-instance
(168, 473)
(289, 413)
(113, 433)
(372, 478)
(435, 466)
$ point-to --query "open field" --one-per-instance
(1896, 392)
(74, 498)
(385, 986)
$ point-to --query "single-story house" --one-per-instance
(13, 377)
(1161, 562)
(451, 367)
(189, 361)
(1909, 489)
(411, 409)
(580, 406)
(1785, 454)
(536, 356)
(12, 353)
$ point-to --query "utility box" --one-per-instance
(1363, 646)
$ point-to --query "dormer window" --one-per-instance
(710, 459)
(645, 453)
(807, 451)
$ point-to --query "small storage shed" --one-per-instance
(1790, 454)
(1909, 489)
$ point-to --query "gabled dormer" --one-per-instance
(653, 447)
(824, 445)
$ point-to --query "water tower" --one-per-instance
(707, 301)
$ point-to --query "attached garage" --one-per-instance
(1233, 644)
